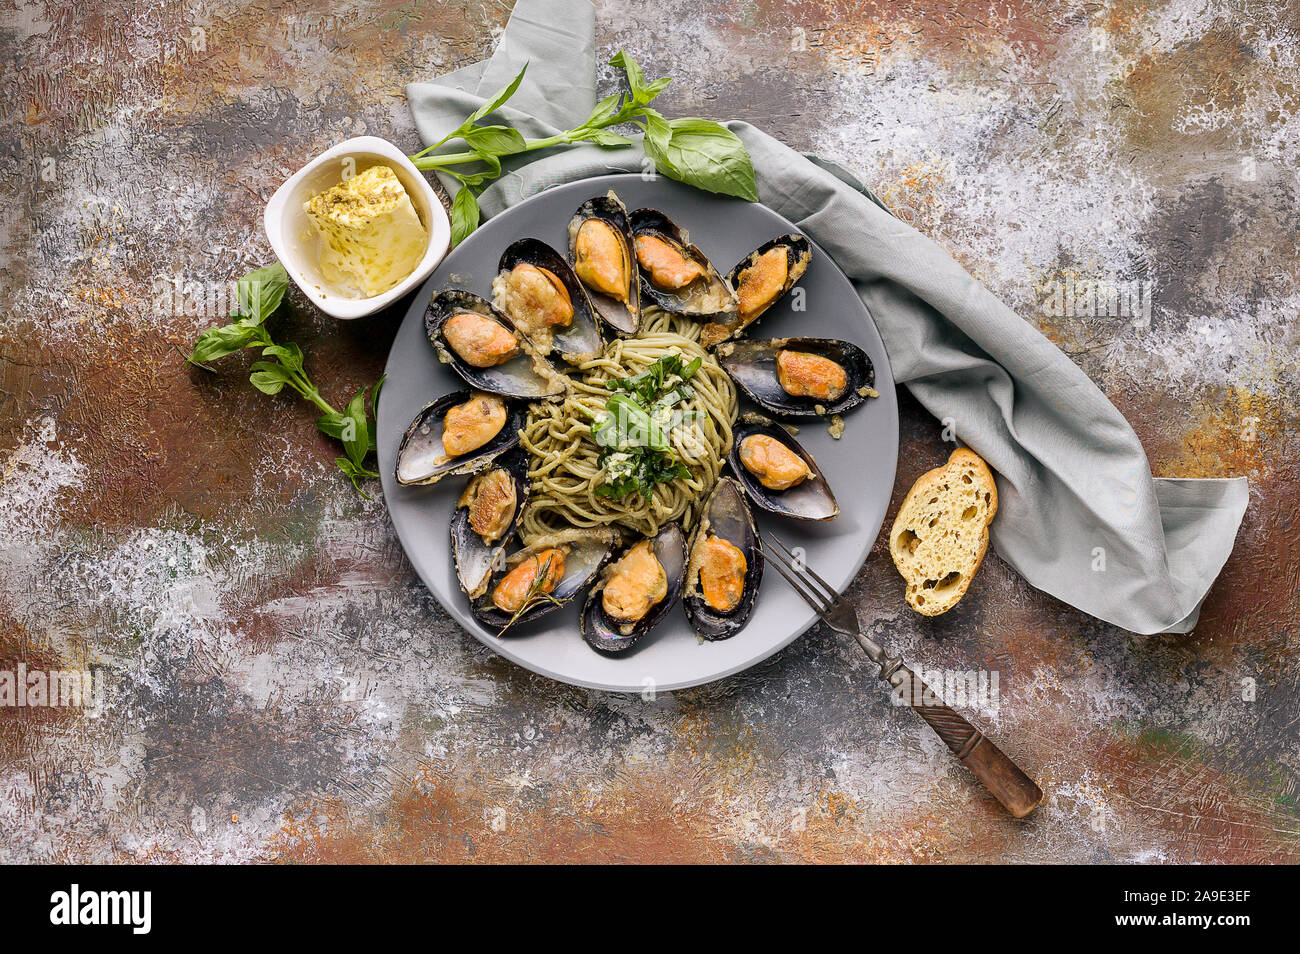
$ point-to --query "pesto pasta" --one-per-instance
(564, 462)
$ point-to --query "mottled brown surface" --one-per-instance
(282, 687)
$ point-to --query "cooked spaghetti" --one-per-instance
(564, 465)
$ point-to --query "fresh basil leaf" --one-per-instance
(374, 393)
(642, 92)
(495, 141)
(289, 355)
(218, 342)
(607, 139)
(471, 179)
(331, 425)
(495, 100)
(260, 292)
(355, 432)
(268, 377)
(704, 154)
(493, 165)
(635, 78)
(605, 110)
(653, 89)
(658, 134)
(464, 215)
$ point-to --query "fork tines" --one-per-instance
(816, 592)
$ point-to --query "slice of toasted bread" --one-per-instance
(942, 530)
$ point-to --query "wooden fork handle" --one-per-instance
(1013, 788)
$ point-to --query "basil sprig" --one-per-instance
(258, 295)
(696, 151)
(631, 431)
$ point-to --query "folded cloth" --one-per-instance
(1079, 514)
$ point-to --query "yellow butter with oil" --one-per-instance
(371, 235)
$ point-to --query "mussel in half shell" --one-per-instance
(601, 252)
(635, 592)
(460, 433)
(777, 473)
(725, 565)
(483, 346)
(485, 518)
(676, 275)
(538, 291)
(799, 377)
(760, 280)
(541, 578)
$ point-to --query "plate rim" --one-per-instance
(502, 647)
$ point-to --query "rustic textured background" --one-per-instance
(282, 687)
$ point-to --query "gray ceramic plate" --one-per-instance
(860, 466)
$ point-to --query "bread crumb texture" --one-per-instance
(942, 530)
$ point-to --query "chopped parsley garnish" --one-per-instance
(632, 431)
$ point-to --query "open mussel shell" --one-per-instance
(526, 376)
(606, 634)
(798, 251)
(751, 363)
(706, 297)
(623, 316)
(725, 515)
(585, 553)
(476, 559)
(421, 458)
(809, 500)
(581, 340)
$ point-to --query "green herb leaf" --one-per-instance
(289, 355)
(704, 154)
(218, 342)
(642, 92)
(269, 377)
(658, 132)
(495, 101)
(464, 215)
(604, 111)
(355, 432)
(331, 425)
(257, 295)
(495, 141)
(635, 78)
(260, 292)
(607, 139)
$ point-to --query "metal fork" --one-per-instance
(1009, 785)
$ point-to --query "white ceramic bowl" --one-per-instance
(294, 237)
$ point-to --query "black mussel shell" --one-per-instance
(726, 515)
(625, 319)
(582, 340)
(475, 559)
(607, 635)
(588, 552)
(420, 457)
(709, 297)
(810, 500)
(798, 255)
(751, 363)
(526, 376)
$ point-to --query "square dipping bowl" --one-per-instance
(295, 238)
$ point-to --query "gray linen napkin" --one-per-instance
(1080, 516)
